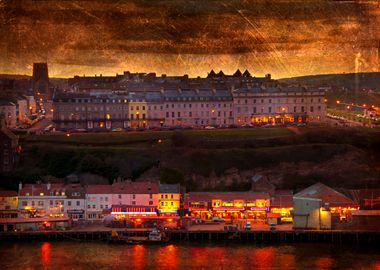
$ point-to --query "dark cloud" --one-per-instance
(272, 34)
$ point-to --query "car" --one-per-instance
(117, 130)
(301, 125)
(198, 221)
(209, 127)
(248, 226)
(218, 219)
(268, 126)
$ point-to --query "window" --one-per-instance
(150, 202)
(24, 203)
(93, 206)
(150, 196)
(106, 199)
(171, 196)
(119, 196)
(133, 203)
(166, 196)
(69, 203)
(295, 109)
(88, 206)
(78, 203)
(171, 203)
(134, 196)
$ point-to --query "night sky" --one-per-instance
(285, 38)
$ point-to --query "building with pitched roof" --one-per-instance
(42, 200)
(334, 201)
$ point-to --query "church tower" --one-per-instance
(40, 81)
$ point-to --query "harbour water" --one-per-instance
(96, 255)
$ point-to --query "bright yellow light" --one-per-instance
(348, 107)
(338, 102)
(52, 110)
(68, 135)
(170, 219)
(108, 116)
(159, 141)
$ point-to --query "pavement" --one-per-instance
(254, 227)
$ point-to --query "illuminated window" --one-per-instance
(41, 194)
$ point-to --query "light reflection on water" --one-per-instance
(84, 255)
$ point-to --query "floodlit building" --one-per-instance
(42, 200)
(169, 201)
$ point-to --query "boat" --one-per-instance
(154, 237)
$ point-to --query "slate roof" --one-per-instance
(170, 188)
(226, 196)
(327, 195)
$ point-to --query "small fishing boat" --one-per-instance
(154, 237)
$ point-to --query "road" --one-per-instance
(41, 125)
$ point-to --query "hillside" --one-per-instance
(208, 160)
(351, 81)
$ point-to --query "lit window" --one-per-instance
(41, 194)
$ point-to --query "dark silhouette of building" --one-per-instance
(40, 81)
(9, 148)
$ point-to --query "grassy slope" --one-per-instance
(203, 153)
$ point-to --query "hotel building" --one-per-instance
(144, 100)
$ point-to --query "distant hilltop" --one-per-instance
(351, 81)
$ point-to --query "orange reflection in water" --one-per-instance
(166, 258)
(45, 254)
(139, 257)
(263, 257)
(324, 263)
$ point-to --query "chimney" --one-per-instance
(19, 186)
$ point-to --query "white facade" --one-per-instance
(308, 214)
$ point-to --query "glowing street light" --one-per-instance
(338, 102)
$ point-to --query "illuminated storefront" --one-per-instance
(132, 211)
(169, 199)
(229, 206)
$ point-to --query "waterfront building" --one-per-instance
(134, 199)
(310, 213)
(42, 200)
(98, 198)
(169, 201)
(75, 202)
(338, 204)
(282, 204)
(8, 204)
(229, 205)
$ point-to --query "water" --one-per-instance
(84, 255)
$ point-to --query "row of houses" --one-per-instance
(18, 110)
(147, 100)
(316, 207)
